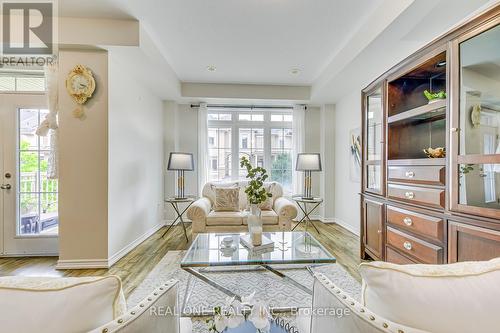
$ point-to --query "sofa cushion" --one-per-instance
(41, 304)
(436, 298)
(224, 218)
(268, 217)
(227, 199)
(208, 191)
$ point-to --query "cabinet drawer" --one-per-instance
(431, 174)
(419, 195)
(395, 257)
(421, 250)
(425, 225)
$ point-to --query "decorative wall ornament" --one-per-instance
(355, 157)
(80, 85)
(475, 115)
(49, 124)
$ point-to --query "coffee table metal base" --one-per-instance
(199, 274)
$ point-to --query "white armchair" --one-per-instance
(205, 219)
(335, 311)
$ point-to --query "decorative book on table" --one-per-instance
(267, 244)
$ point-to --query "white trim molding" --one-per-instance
(107, 263)
(82, 264)
(123, 252)
(346, 225)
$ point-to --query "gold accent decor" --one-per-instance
(438, 152)
(80, 85)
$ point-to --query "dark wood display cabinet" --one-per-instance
(431, 151)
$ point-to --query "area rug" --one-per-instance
(196, 297)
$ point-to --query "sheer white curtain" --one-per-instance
(202, 146)
(49, 124)
(298, 145)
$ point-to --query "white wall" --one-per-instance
(83, 166)
(347, 116)
(181, 134)
(136, 169)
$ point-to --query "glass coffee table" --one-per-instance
(299, 249)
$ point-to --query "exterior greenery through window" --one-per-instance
(37, 195)
(264, 136)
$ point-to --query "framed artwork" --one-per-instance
(355, 155)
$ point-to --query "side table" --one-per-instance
(302, 203)
(175, 205)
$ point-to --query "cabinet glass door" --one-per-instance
(374, 142)
(477, 154)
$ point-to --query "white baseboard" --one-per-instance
(169, 222)
(107, 263)
(123, 252)
(27, 254)
(347, 226)
(82, 264)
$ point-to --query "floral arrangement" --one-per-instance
(233, 313)
(255, 190)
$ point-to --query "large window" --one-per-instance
(263, 135)
(37, 195)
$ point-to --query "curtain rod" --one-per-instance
(225, 106)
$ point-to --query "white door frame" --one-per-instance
(14, 244)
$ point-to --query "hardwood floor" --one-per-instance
(134, 267)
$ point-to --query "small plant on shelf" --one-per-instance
(433, 97)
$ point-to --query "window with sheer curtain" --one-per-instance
(265, 136)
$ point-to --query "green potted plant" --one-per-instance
(256, 194)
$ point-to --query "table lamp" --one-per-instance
(308, 162)
(180, 162)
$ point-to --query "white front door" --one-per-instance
(29, 222)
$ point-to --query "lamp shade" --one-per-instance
(308, 162)
(180, 161)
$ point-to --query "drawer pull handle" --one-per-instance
(407, 221)
(409, 195)
(410, 174)
(407, 245)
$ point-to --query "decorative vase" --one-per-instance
(254, 221)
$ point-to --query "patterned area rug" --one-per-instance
(197, 297)
(196, 294)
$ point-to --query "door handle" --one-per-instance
(5, 186)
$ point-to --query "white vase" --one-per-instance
(254, 221)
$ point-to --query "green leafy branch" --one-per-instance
(255, 190)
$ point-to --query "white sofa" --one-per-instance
(458, 297)
(205, 219)
(84, 304)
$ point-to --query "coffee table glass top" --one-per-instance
(289, 248)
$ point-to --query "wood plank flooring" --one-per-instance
(134, 267)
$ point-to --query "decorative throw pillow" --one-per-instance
(461, 297)
(227, 199)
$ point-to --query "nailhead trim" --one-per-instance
(142, 305)
(372, 318)
(120, 321)
(132, 313)
(385, 325)
(362, 310)
(104, 330)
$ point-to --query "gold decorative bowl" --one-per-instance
(438, 152)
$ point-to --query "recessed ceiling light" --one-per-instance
(211, 68)
(295, 71)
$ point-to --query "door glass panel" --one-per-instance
(374, 126)
(373, 177)
(480, 94)
(37, 192)
(479, 185)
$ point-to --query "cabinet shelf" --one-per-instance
(418, 161)
(429, 112)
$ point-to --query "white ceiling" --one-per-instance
(252, 41)
(338, 45)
